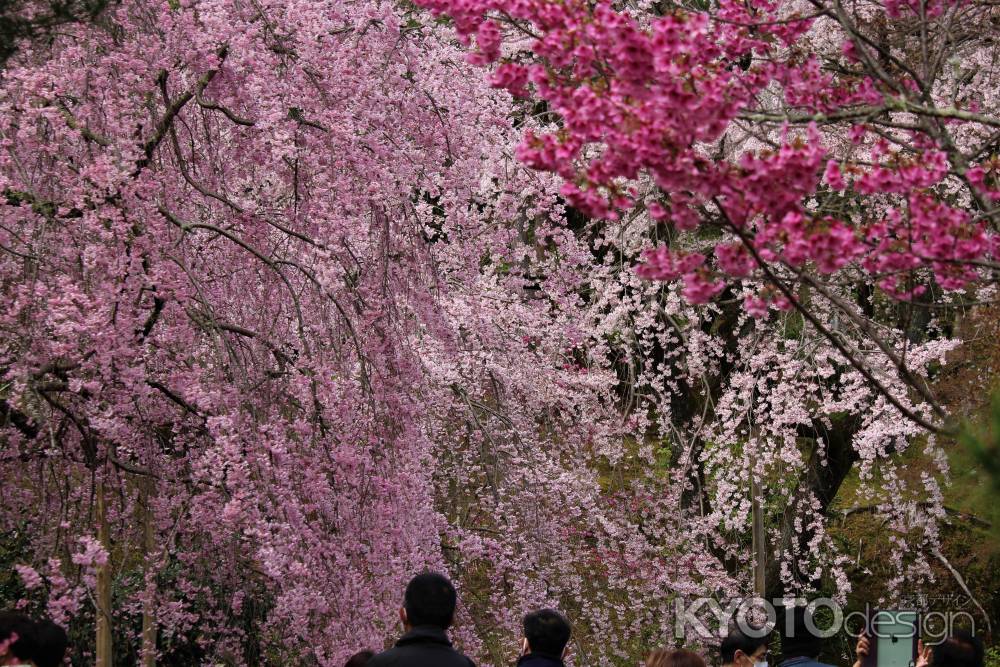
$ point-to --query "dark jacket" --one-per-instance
(423, 646)
(802, 662)
(539, 660)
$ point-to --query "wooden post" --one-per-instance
(757, 527)
(103, 601)
(147, 489)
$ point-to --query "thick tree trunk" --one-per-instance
(821, 481)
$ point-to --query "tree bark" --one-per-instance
(821, 481)
(148, 488)
(759, 540)
(103, 594)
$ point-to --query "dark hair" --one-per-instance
(663, 657)
(961, 649)
(430, 600)
(798, 641)
(737, 640)
(51, 644)
(12, 623)
(359, 659)
(547, 631)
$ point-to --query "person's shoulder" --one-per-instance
(803, 662)
(384, 659)
(806, 662)
(403, 656)
(457, 658)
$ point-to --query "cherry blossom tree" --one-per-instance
(34, 22)
(834, 160)
(823, 142)
(289, 320)
(287, 324)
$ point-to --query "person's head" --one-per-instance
(430, 600)
(961, 649)
(546, 631)
(359, 659)
(744, 650)
(51, 642)
(17, 638)
(797, 641)
(665, 657)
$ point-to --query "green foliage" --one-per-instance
(13, 545)
(792, 324)
(664, 455)
(983, 441)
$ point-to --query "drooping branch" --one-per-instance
(835, 340)
(174, 108)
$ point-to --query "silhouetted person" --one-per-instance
(740, 649)
(546, 634)
(17, 639)
(799, 646)
(359, 659)
(961, 649)
(51, 643)
(665, 657)
(427, 612)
